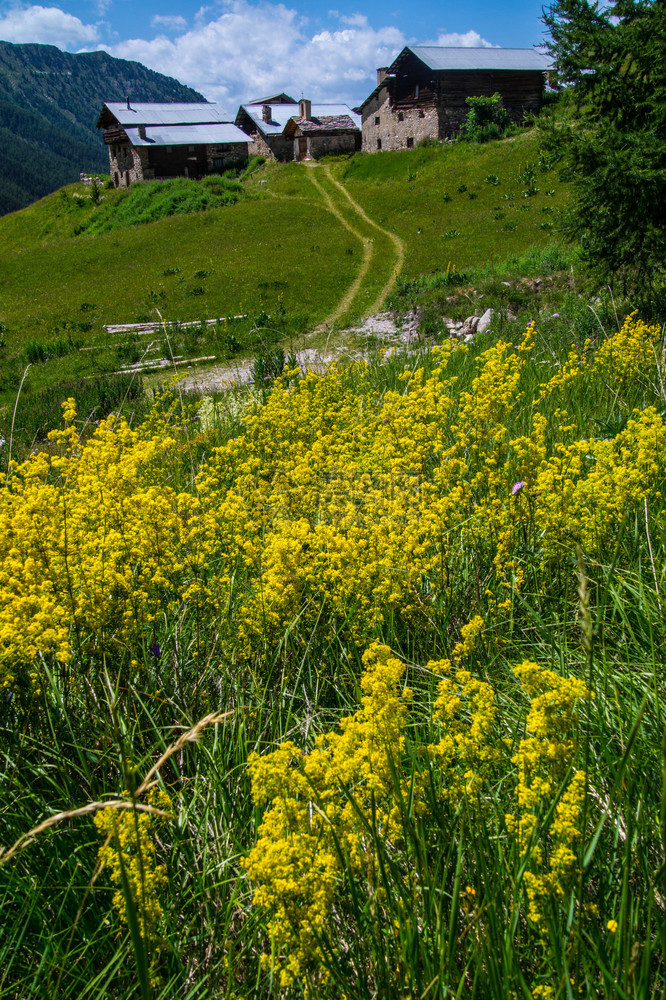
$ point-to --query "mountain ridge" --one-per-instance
(49, 104)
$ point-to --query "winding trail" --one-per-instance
(368, 254)
(395, 239)
(368, 249)
(338, 201)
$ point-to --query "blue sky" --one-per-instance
(237, 50)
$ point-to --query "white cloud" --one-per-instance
(470, 40)
(251, 50)
(47, 25)
(355, 21)
(237, 50)
(172, 22)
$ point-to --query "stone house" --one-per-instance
(290, 131)
(421, 95)
(158, 141)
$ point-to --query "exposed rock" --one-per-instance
(485, 321)
(469, 326)
(382, 324)
(411, 323)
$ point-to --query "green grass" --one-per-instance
(153, 200)
(45, 271)
(252, 258)
(416, 194)
(278, 255)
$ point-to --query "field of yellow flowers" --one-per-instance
(353, 688)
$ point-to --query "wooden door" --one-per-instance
(302, 147)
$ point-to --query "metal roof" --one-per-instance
(165, 114)
(452, 58)
(281, 113)
(186, 135)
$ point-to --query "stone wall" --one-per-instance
(281, 147)
(125, 165)
(259, 147)
(328, 144)
(231, 154)
(387, 128)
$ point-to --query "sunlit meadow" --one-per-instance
(348, 687)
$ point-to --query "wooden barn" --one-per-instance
(421, 95)
(158, 141)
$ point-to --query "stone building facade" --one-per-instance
(321, 135)
(300, 131)
(160, 141)
(422, 95)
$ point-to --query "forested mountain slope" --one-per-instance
(49, 104)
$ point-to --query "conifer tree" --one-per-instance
(613, 59)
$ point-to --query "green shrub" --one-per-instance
(153, 200)
(436, 279)
(486, 119)
(267, 366)
(38, 351)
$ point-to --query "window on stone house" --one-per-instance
(379, 143)
(376, 119)
(401, 117)
(410, 142)
(218, 162)
(168, 149)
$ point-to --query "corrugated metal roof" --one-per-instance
(445, 57)
(186, 135)
(281, 113)
(166, 114)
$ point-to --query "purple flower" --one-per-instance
(155, 650)
(516, 488)
(556, 315)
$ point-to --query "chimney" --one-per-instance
(128, 104)
(382, 73)
(305, 109)
(142, 131)
(266, 113)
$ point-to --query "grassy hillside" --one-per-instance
(464, 203)
(49, 105)
(294, 244)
